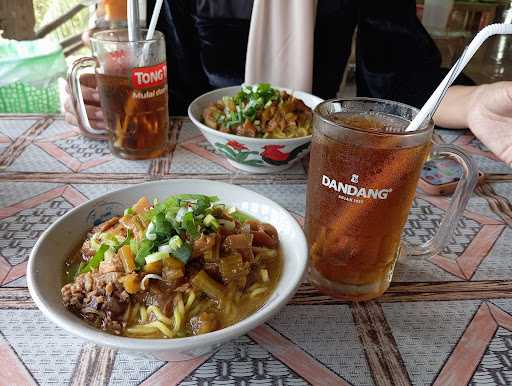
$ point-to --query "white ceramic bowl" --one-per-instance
(253, 155)
(46, 264)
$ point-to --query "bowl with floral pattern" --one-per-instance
(252, 155)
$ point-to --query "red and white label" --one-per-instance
(145, 77)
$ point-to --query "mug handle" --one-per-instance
(458, 202)
(78, 100)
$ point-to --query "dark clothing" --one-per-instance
(396, 58)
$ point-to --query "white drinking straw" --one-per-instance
(154, 19)
(133, 20)
(151, 30)
(433, 102)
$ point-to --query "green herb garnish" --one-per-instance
(180, 249)
(248, 103)
(241, 216)
(95, 261)
(144, 248)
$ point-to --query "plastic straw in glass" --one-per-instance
(154, 19)
(433, 102)
(151, 29)
(133, 20)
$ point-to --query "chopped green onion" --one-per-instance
(74, 271)
(165, 248)
(150, 235)
(183, 253)
(211, 222)
(180, 214)
(175, 242)
(93, 242)
(161, 227)
(229, 225)
(95, 261)
(249, 102)
(128, 211)
(156, 256)
(190, 225)
(127, 240)
(144, 249)
(180, 249)
(110, 239)
(109, 254)
(133, 246)
(241, 216)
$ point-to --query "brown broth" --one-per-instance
(247, 305)
(243, 308)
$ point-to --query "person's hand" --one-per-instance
(489, 116)
(91, 101)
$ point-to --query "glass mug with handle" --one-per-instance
(363, 173)
(131, 77)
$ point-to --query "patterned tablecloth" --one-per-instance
(444, 321)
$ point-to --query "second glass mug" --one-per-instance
(361, 186)
(131, 77)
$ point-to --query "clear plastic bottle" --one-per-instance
(111, 14)
(498, 65)
(436, 14)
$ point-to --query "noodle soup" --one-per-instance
(183, 267)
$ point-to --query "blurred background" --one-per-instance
(451, 23)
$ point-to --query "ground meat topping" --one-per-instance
(99, 297)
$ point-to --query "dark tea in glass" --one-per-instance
(363, 173)
(132, 84)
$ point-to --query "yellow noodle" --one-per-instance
(196, 309)
(253, 287)
(177, 319)
(279, 134)
(162, 327)
(302, 132)
(190, 300)
(143, 314)
(181, 306)
(159, 315)
(141, 329)
(228, 307)
(258, 291)
(264, 275)
(135, 312)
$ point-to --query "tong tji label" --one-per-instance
(146, 77)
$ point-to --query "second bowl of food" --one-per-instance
(171, 268)
(260, 128)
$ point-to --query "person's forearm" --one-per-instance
(453, 110)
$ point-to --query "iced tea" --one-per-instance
(358, 199)
(363, 173)
(136, 118)
(132, 83)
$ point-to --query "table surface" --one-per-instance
(445, 321)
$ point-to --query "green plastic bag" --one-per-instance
(28, 76)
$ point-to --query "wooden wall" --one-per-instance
(17, 19)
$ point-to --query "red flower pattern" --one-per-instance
(236, 145)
